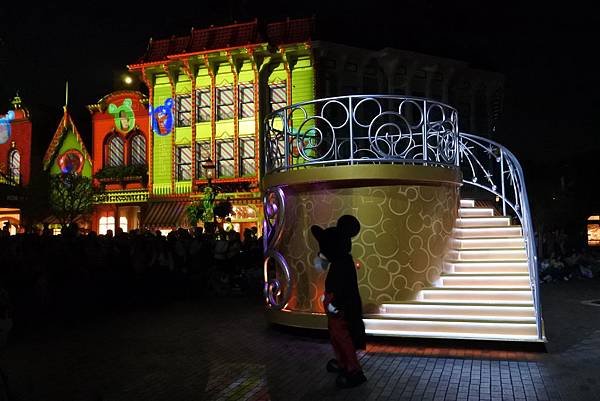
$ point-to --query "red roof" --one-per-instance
(229, 36)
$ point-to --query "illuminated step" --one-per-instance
(467, 203)
(487, 232)
(451, 318)
(476, 295)
(483, 281)
(426, 328)
(483, 221)
(486, 255)
(482, 311)
(486, 267)
(475, 212)
(488, 243)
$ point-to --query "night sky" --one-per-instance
(547, 56)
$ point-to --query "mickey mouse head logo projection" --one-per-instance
(5, 126)
(71, 161)
(162, 118)
(124, 117)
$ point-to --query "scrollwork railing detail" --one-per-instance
(361, 129)
(490, 166)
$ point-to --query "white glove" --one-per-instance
(332, 309)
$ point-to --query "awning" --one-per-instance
(165, 214)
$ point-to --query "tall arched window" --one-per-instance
(14, 166)
(138, 149)
(116, 151)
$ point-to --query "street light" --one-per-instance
(210, 167)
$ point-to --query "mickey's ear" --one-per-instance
(348, 225)
(112, 109)
(127, 102)
(317, 232)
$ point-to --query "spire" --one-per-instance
(66, 96)
(16, 102)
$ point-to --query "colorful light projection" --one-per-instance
(70, 161)
(124, 116)
(5, 126)
(162, 118)
(593, 230)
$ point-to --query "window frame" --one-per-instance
(221, 160)
(180, 112)
(202, 107)
(131, 149)
(179, 164)
(109, 150)
(281, 85)
(225, 111)
(242, 158)
(248, 104)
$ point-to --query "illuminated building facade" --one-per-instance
(15, 162)
(120, 127)
(210, 91)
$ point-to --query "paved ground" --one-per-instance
(223, 350)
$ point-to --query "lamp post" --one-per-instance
(209, 196)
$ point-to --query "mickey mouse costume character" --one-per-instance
(342, 300)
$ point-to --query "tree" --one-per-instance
(70, 196)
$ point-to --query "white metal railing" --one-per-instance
(490, 166)
(361, 129)
(367, 129)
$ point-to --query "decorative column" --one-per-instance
(148, 80)
(236, 115)
(191, 73)
(213, 106)
(174, 97)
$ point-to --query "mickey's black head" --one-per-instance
(336, 241)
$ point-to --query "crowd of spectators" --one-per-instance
(45, 276)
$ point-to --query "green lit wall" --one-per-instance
(70, 142)
(162, 155)
(301, 88)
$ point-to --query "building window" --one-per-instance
(593, 230)
(203, 105)
(225, 158)
(224, 103)
(420, 74)
(329, 63)
(123, 223)
(184, 163)
(202, 153)
(14, 166)
(246, 95)
(247, 161)
(106, 223)
(116, 151)
(278, 95)
(184, 110)
(138, 149)
(351, 67)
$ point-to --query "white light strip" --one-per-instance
(453, 335)
(483, 221)
(409, 316)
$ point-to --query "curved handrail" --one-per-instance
(488, 165)
(361, 129)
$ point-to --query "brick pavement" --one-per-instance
(222, 349)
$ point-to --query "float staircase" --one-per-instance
(484, 291)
